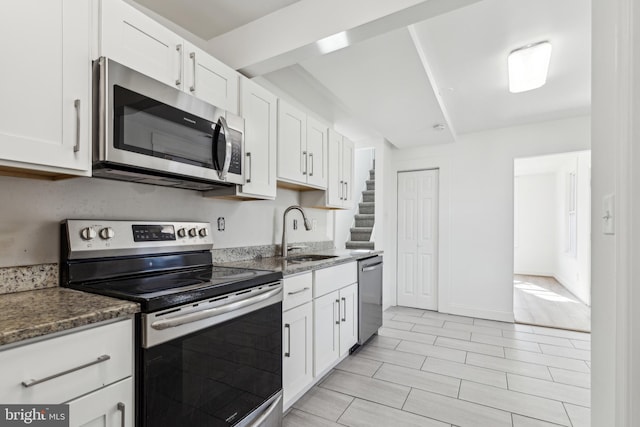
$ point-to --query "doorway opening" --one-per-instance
(417, 272)
(552, 241)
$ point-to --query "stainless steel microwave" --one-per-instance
(146, 131)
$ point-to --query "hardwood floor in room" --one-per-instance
(431, 369)
(541, 300)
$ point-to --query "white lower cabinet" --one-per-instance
(91, 369)
(111, 406)
(335, 326)
(297, 340)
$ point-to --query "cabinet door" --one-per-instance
(326, 332)
(297, 345)
(259, 108)
(348, 158)
(317, 153)
(111, 406)
(292, 143)
(137, 41)
(210, 80)
(348, 318)
(335, 185)
(45, 85)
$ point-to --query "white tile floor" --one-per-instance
(431, 369)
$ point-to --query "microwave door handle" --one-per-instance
(222, 122)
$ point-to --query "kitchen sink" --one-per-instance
(308, 257)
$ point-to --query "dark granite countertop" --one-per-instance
(39, 312)
(289, 268)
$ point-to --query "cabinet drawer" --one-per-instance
(62, 368)
(333, 278)
(297, 290)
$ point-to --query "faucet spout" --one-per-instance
(307, 226)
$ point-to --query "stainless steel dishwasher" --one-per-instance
(369, 297)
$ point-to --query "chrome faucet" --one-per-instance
(307, 226)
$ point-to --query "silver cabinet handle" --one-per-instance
(179, 49)
(341, 190)
(123, 418)
(76, 104)
(346, 190)
(338, 321)
(304, 172)
(249, 167)
(311, 158)
(215, 311)
(266, 414)
(100, 359)
(288, 328)
(344, 313)
(192, 55)
(298, 292)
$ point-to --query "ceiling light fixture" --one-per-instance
(528, 66)
(334, 42)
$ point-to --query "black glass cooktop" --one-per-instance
(169, 289)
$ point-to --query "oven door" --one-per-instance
(227, 373)
(143, 123)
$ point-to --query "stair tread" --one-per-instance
(361, 229)
(365, 216)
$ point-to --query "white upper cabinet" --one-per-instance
(259, 107)
(45, 87)
(210, 80)
(302, 148)
(317, 153)
(137, 41)
(339, 193)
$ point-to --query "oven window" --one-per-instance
(216, 376)
(146, 126)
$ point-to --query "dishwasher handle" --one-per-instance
(371, 267)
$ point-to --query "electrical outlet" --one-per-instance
(221, 223)
(295, 224)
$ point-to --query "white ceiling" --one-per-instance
(210, 18)
(423, 63)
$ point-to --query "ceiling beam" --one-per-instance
(290, 35)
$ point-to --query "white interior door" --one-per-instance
(417, 272)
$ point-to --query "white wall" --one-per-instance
(476, 210)
(32, 209)
(535, 213)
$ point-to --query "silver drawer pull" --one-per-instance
(371, 267)
(100, 359)
(298, 292)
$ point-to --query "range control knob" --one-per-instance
(182, 233)
(107, 233)
(204, 232)
(88, 233)
(193, 232)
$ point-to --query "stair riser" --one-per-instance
(360, 245)
(364, 223)
(371, 185)
(366, 209)
(368, 198)
(360, 237)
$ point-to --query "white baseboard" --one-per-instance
(460, 310)
(534, 273)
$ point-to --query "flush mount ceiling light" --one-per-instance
(528, 66)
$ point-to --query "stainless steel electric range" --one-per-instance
(209, 339)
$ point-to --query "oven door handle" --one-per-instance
(215, 311)
(265, 415)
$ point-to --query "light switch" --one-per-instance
(608, 214)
